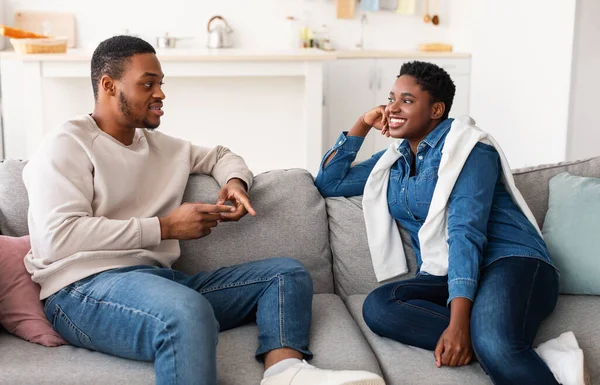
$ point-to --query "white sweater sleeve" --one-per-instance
(221, 163)
(59, 181)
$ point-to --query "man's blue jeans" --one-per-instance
(514, 296)
(162, 315)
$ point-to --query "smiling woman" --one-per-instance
(481, 259)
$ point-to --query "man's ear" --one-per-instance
(437, 110)
(107, 85)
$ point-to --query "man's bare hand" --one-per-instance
(192, 220)
(235, 192)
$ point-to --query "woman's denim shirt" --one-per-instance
(484, 224)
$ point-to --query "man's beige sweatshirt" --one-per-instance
(94, 203)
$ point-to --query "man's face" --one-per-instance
(139, 93)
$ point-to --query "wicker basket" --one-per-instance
(42, 45)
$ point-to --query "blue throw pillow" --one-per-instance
(572, 232)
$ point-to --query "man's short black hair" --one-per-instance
(112, 55)
(432, 79)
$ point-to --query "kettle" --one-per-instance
(219, 36)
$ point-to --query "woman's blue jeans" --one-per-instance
(514, 296)
(162, 315)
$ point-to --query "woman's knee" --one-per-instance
(375, 311)
(492, 347)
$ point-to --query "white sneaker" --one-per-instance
(306, 374)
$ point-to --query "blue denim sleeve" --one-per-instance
(339, 177)
(469, 209)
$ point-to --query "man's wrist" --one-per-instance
(164, 228)
(233, 181)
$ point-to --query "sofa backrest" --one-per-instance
(352, 267)
(291, 222)
(533, 181)
(13, 199)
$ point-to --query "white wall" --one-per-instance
(257, 23)
(584, 127)
(521, 76)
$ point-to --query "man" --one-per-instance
(106, 218)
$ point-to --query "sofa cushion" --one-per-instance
(291, 221)
(336, 342)
(575, 313)
(533, 182)
(352, 266)
(570, 231)
(21, 311)
(579, 314)
(13, 199)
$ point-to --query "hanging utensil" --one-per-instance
(345, 9)
(435, 19)
(426, 18)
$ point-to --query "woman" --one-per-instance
(500, 282)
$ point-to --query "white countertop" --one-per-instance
(239, 54)
(357, 54)
(189, 54)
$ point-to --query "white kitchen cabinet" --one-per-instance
(353, 86)
(348, 93)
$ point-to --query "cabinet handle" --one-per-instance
(379, 79)
(371, 73)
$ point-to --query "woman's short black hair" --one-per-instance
(111, 56)
(432, 79)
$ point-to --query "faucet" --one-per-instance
(363, 21)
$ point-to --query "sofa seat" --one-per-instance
(336, 342)
(407, 365)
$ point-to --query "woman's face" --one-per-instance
(410, 113)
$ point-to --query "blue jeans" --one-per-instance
(156, 314)
(514, 296)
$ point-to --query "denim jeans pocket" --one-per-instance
(48, 305)
(69, 331)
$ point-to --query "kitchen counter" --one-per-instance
(189, 54)
(246, 55)
(381, 54)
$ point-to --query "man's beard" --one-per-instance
(125, 108)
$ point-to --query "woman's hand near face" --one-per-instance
(376, 118)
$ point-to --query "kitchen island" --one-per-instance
(265, 106)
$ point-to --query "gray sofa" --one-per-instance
(328, 236)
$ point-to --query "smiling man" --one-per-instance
(106, 218)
